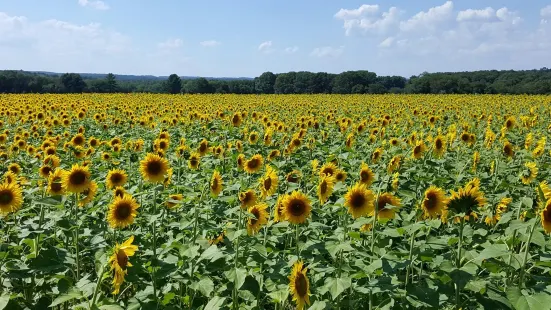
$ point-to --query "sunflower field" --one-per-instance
(142, 201)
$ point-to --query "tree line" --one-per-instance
(302, 82)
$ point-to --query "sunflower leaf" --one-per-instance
(337, 286)
(215, 303)
(205, 286)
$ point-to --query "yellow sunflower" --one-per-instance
(439, 146)
(119, 262)
(15, 168)
(359, 200)
(367, 177)
(89, 194)
(296, 207)
(11, 198)
(546, 217)
(269, 182)
(299, 286)
(278, 210)
(325, 188)
(328, 169)
(434, 202)
(467, 199)
(154, 168)
(418, 150)
(55, 182)
(194, 160)
(508, 149)
(77, 180)
(394, 164)
(530, 173)
(119, 192)
(382, 203)
(261, 218)
(10, 177)
(254, 164)
(216, 183)
(116, 177)
(247, 199)
(122, 211)
(499, 210)
(174, 197)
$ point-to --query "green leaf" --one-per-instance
(205, 286)
(215, 303)
(4, 300)
(237, 276)
(318, 305)
(74, 294)
(337, 286)
(538, 301)
(211, 254)
(110, 307)
(494, 250)
(279, 295)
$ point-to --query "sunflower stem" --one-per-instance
(458, 263)
(154, 233)
(235, 305)
(76, 238)
(410, 265)
(526, 251)
(296, 238)
(98, 282)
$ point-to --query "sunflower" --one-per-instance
(15, 168)
(122, 211)
(278, 210)
(394, 164)
(253, 137)
(395, 181)
(55, 182)
(296, 207)
(116, 177)
(367, 177)
(499, 210)
(216, 183)
(171, 203)
(203, 148)
(530, 173)
(78, 140)
(260, 218)
(247, 199)
(434, 202)
(77, 180)
(11, 198)
(466, 199)
(546, 217)
(325, 188)
(508, 149)
(254, 164)
(44, 171)
(10, 177)
(439, 146)
(269, 182)
(340, 176)
(119, 192)
(89, 194)
(328, 169)
(359, 200)
(194, 160)
(119, 262)
(154, 168)
(51, 160)
(241, 161)
(299, 286)
(418, 150)
(376, 156)
(273, 154)
(382, 202)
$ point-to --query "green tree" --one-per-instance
(112, 86)
(264, 84)
(72, 83)
(173, 84)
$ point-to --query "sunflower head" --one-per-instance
(119, 192)
(367, 177)
(116, 177)
(254, 164)
(386, 205)
(269, 182)
(299, 285)
(467, 199)
(77, 180)
(296, 207)
(216, 183)
(55, 182)
(328, 169)
(122, 211)
(325, 188)
(194, 160)
(154, 168)
(260, 218)
(11, 198)
(89, 194)
(434, 202)
(119, 262)
(173, 200)
(546, 217)
(359, 200)
(529, 173)
(247, 199)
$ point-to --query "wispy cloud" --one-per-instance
(95, 4)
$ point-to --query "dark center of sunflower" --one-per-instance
(154, 167)
(122, 259)
(323, 187)
(202, 147)
(509, 123)
(123, 211)
(214, 184)
(56, 185)
(46, 170)
(162, 145)
(297, 207)
(235, 119)
(77, 178)
(119, 193)
(14, 169)
(364, 175)
(438, 143)
(328, 171)
(546, 214)
(116, 178)
(247, 197)
(382, 202)
(296, 142)
(430, 201)
(301, 285)
(465, 137)
(339, 176)
(253, 163)
(78, 140)
(256, 216)
(267, 183)
(357, 200)
(193, 161)
(6, 197)
(417, 149)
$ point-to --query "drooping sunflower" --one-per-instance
(501, 208)
(55, 182)
(359, 200)
(119, 192)
(247, 199)
(10, 177)
(273, 154)
(530, 173)
(328, 169)
(269, 182)
(122, 211)
(325, 188)
(194, 160)
(466, 200)
(299, 285)
(254, 164)
(394, 164)
(77, 180)
(119, 262)
(11, 198)
(296, 207)
(15, 168)
(89, 194)
(261, 218)
(382, 203)
(203, 148)
(367, 177)
(154, 168)
(278, 210)
(376, 156)
(434, 202)
(439, 146)
(216, 183)
(418, 150)
(546, 217)
(171, 203)
(508, 149)
(116, 177)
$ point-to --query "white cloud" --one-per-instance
(367, 20)
(430, 19)
(470, 15)
(95, 4)
(265, 47)
(387, 42)
(291, 50)
(327, 51)
(546, 11)
(210, 43)
(171, 44)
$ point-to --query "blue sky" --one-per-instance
(248, 37)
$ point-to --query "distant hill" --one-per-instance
(125, 77)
